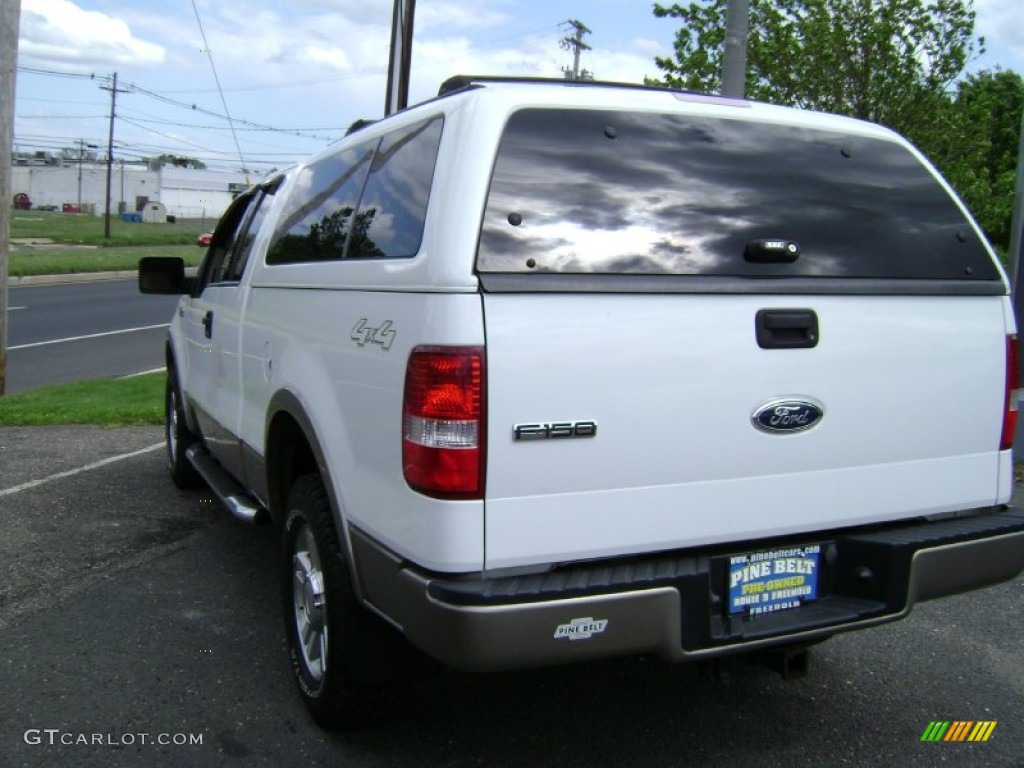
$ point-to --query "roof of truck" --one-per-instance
(551, 93)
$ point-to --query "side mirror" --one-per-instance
(164, 274)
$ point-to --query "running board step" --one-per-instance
(231, 494)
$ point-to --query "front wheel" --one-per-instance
(179, 437)
(320, 610)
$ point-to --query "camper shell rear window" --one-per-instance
(603, 192)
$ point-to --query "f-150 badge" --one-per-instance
(554, 430)
(788, 415)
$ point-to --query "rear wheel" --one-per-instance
(179, 437)
(320, 610)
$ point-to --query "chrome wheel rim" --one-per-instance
(172, 425)
(309, 604)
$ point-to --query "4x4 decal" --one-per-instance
(383, 335)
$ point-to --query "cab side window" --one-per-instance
(218, 256)
(257, 212)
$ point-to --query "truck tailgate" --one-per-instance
(911, 389)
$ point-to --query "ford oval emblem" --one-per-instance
(788, 415)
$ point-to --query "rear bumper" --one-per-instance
(672, 606)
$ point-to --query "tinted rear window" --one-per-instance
(594, 192)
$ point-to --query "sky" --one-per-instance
(295, 73)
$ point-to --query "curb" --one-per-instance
(77, 277)
(81, 277)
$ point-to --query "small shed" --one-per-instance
(154, 213)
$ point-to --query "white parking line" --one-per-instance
(143, 373)
(95, 465)
(88, 336)
(11, 309)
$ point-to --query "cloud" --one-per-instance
(622, 66)
(454, 15)
(307, 63)
(1001, 23)
(58, 32)
(262, 46)
(439, 56)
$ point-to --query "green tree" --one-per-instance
(179, 161)
(888, 61)
(976, 147)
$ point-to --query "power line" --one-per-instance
(61, 101)
(66, 117)
(181, 104)
(166, 135)
(209, 55)
(161, 121)
(54, 73)
(211, 113)
(371, 72)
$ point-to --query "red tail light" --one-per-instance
(1012, 394)
(443, 422)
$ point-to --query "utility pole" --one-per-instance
(110, 152)
(734, 59)
(1015, 259)
(397, 96)
(576, 44)
(10, 11)
(81, 151)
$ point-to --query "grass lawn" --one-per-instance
(128, 243)
(60, 261)
(88, 230)
(136, 401)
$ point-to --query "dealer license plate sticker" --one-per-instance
(774, 580)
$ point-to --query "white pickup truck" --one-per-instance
(540, 372)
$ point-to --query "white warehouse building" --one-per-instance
(186, 193)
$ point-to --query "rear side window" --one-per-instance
(604, 192)
(316, 223)
(394, 204)
(363, 203)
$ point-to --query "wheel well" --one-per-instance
(289, 456)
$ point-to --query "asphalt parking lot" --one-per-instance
(136, 620)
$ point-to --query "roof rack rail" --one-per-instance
(461, 82)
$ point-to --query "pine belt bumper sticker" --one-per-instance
(581, 629)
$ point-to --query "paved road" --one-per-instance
(41, 315)
(127, 607)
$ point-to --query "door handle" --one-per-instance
(208, 323)
(786, 328)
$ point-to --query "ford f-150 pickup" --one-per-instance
(536, 373)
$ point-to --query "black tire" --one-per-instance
(178, 436)
(321, 614)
